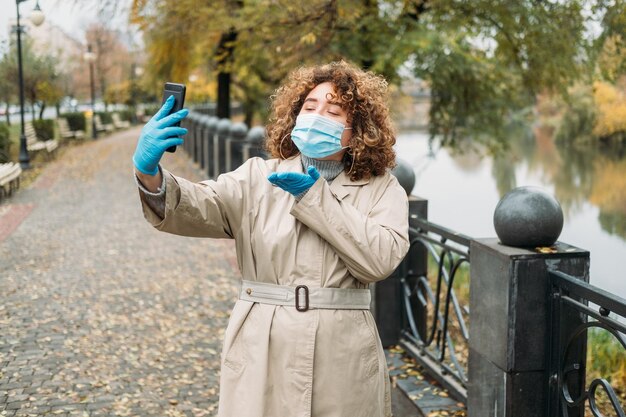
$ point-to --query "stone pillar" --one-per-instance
(254, 143)
(197, 142)
(211, 125)
(234, 143)
(188, 124)
(219, 147)
(202, 142)
(510, 326)
(193, 121)
(387, 297)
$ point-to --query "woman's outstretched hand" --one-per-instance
(158, 135)
(294, 182)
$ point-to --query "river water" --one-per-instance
(463, 190)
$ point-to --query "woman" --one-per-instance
(313, 227)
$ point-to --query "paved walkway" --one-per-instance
(95, 317)
(100, 314)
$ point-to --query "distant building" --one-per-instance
(50, 39)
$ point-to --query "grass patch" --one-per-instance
(606, 357)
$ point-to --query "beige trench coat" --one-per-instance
(277, 361)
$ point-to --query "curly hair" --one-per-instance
(363, 95)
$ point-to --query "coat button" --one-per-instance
(249, 291)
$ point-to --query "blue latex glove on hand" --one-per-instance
(158, 135)
(294, 182)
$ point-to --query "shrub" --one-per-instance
(44, 129)
(611, 111)
(149, 111)
(76, 121)
(5, 142)
(579, 117)
(105, 117)
(127, 115)
(605, 358)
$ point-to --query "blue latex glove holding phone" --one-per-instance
(158, 135)
(294, 182)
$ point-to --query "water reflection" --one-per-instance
(595, 175)
(463, 189)
(609, 193)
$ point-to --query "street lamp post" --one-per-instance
(37, 17)
(90, 57)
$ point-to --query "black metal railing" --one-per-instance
(569, 391)
(219, 145)
(435, 331)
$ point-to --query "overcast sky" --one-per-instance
(73, 17)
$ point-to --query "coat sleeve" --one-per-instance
(206, 209)
(371, 245)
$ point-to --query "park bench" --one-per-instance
(119, 123)
(34, 144)
(9, 178)
(66, 133)
(101, 127)
(141, 115)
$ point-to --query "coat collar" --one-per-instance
(340, 186)
(292, 164)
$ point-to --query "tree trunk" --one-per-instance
(249, 114)
(57, 107)
(103, 87)
(224, 54)
(41, 109)
(7, 115)
(223, 95)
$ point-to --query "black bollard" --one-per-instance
(219, 147)
(191, 135)
(387, 297)
(254, 143)
(202, 142)
(211, 125)
(234, 145)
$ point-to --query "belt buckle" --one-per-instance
(306, 298)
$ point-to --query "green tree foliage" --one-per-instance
(5, 143)
(483, 59)
(7, 88)
(43, 84)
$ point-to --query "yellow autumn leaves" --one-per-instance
(610, 102)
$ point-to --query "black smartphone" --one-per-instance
(178, 91)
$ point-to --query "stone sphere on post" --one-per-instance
(212, 123)
(205, 120)
(256, 135)
(405, 175)
(528, 217)
(238, 131)
(223, 127)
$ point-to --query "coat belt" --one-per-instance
(304, 298)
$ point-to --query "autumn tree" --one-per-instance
(8, 90)
(113, 59)
(42, 79)
(483, 59)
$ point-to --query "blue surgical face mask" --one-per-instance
(317, 136)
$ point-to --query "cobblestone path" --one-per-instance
(100, 314)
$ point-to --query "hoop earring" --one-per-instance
(280, 146)
(352, 164)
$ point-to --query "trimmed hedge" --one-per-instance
(76, 121)
(150, 111)
(127, 115)
(105, 117)
(44, 129)
(5, 143)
